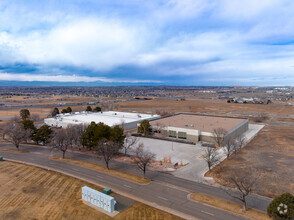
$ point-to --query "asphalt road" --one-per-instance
(165, 190)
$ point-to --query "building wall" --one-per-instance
(207, 137)
(192, 134)
(195, 135)
(234, 132)
(238, 130)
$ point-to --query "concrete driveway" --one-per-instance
(194, 166)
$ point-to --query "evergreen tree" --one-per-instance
(144, 127)
(43, 135)
(29, 126)
(55, 112)
(97, 109)
(24, 114)
(96, 132)
(68, 109)
(88, 137)
(88, 109)
(117, 135)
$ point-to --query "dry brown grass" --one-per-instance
(269, 157)
(145, 212)
(117, 173)
(15, 112)
(43, 112)
(28, 192)
(228, 206)
(13, 150)
(204, 106)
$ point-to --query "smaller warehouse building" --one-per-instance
(195, 128)
(110, 118)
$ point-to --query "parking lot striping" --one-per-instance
(162, 198)
(208, 213)
(127, 186)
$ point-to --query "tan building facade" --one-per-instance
(195, 128)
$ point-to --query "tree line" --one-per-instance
(56, 111)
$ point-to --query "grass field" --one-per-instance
(27, 192)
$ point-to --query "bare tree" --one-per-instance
(244, 184)
(239, 143)
(60, 141)
(129, 142)
(107, 149)
(212, 157)
(260, 117)
(229, 146)
(16, 133)
(80, 129)
(143, 158)
(161, 129)
(6, 127)
(72, 135)
(219, 136)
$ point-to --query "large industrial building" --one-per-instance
(110, 118)
(195, 128)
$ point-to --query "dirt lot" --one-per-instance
(270, 155)
(27, 192)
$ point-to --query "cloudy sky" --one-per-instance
(172, 42)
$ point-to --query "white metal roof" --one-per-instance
(110, 118)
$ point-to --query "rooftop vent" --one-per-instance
(192, 125)
(186, 125)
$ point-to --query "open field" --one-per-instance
(43, 100)
(28, 192)
(228, 206)
(211, 106)
(269, 157)
(127, 176)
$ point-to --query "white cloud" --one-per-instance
(65, 78)
(174, 37)
(194, 48)
(91, 43)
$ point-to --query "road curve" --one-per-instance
(155, 194)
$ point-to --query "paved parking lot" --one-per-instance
(195, 166)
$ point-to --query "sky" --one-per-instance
(154, 42)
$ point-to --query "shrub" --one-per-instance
(282, 207)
